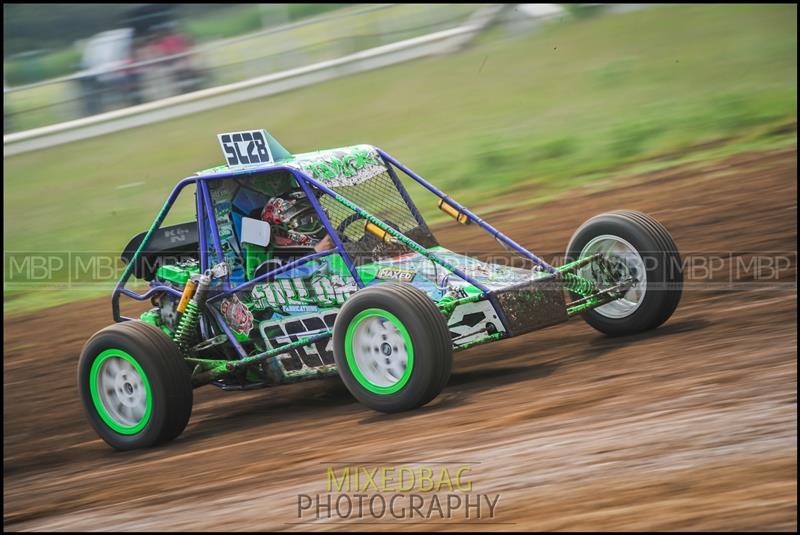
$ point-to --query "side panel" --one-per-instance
(303, 362)
(298, 303)
(472, 322)
(533, 305)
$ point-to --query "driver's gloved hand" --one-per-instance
(324, 244)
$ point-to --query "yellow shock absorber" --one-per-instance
(188, 291)
(375, 230)
(456, 214)
(186, 331)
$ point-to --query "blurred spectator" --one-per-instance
(170, 42)
(106, 84)
(104, 81)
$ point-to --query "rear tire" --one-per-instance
(392, 347)
(135, 386)
(646, 238)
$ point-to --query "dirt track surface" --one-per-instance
(690, 426)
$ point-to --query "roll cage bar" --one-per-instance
(206, 219)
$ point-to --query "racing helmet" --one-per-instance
(295, 222)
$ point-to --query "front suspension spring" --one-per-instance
(578, 285)
(186, 332)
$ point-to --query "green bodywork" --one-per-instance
(178, 274)
(328, 167)
(154, 318)
(256, 316)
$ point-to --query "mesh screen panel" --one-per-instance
(380, 197)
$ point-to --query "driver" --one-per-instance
(295, 222)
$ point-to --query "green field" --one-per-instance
(573, 102)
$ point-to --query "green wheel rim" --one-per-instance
(355, 331)
(103, 400)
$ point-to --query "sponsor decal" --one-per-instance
(300, 309)
(237, 315)
(220, 196)
(176, 235)
(306, 358)
(396, 274)
(343, 167)
(472, 321)
(321, 290)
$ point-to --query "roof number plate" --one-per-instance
(245, 148)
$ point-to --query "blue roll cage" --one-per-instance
(205, 216)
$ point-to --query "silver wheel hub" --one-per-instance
(625, 261)
(380, 351)
(122, 391)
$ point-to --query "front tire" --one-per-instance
(392, 347)
(134, 385)
(639, 244)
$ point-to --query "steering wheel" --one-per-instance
(346, 222)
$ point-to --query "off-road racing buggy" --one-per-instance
(304, 266)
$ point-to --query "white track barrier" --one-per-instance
(435, 43)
